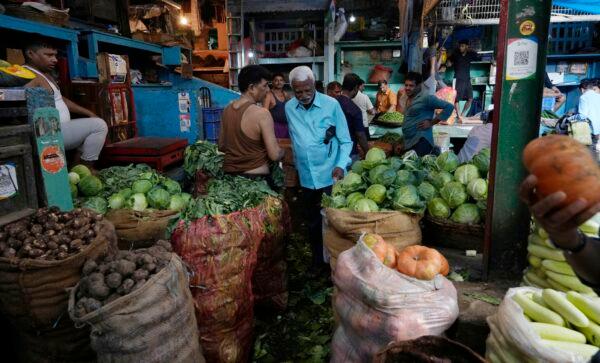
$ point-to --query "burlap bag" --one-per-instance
(155, 323)
(140, 229)
(34, 298)
(269, 282)
(343, 229)
(221, 253)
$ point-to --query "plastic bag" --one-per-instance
(377, 305)
(512, 338)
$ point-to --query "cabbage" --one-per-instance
(171, 186)
(337, 189)
(96, 204)
(336, 201)
(116, 201)
(374, 157)
(74, 178)
(482, 160)
(125, 193)
(73, 188)
(427, 191)
(357, 167)
(81, 170)
(466, 173)
(466, 214)
(477, 189)
(454, 194)
(395, 163)
(352, 182)
(353, 198)
(382, 174)
(186, 197)
(177, 203)
(90, 186)
(159, 198)
(439, 179)
(406, 199)
(437, 207)
(404, 177)
(447, 161)
(428, 162)
(376, 193)
(137, 202)
(141, 186)
(365, 205)
(410, 155)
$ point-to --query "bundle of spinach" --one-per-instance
(117, 178)
(227, 195)
(203, 156)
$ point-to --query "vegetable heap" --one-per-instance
(412, 185)
(132, 187)
(565, 321)
(227, 195)
(203, 156)
(114, 276)
(49, 234)
(392, 118)
(391, 138)
(547, 264)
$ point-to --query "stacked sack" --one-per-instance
(547, 264)
(377, 304)
(544, 325)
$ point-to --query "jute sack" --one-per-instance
(140, 229)
(34, 298)
(344, 228)
(155, 323)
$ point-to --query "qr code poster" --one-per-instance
(521, 58)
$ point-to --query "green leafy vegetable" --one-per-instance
(454, 194)
(392, 117)
(466, 214)
(74, 178)
(374, 157)
(477, 189)
(158, 198)
(406, 199)
(90, 186)
(447, 161)
(482, 160)
(116, 201)
(376, 193)
(142, 186)
(137, 202)
(81, 170)
(365, 205)
(203, 156)
(97, 204)
(465, 173)
(427, 191)
(437, 207)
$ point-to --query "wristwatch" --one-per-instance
(581, 243)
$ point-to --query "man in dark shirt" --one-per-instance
(350, 87)
(461, 60)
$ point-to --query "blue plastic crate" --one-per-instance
(548, 103)
(211, 119)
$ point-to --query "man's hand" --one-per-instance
(560, 223)
(337, 174)
(424, 125)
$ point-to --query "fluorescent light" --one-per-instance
(352, 18)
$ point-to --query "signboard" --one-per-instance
(521, 58)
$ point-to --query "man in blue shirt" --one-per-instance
(420, 117)
(353, 114)
(322, 145)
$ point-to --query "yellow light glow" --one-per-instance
(184, 20)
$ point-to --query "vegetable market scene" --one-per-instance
(344, 181)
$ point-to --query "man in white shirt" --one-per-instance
(589, 106)
(479, 138)
(364, 103)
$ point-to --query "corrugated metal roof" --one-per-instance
(262, 6)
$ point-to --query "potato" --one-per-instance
(140, 274)
(125, 268)
(126, 287)
(98, 289)
(113, 280)
(89, 266)
(92, 305)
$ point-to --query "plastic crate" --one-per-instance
(548, 103)
(211, 120)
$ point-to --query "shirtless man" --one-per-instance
(85, 134)
(275, 103)
(247, 135)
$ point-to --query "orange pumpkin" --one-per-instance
(421, 262)
(561, 163)
(385, 252)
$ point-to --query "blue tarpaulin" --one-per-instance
(588, 6)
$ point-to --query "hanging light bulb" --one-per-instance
(183, 20)
(250, 54)
(352, 18)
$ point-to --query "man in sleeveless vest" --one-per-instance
(85, 134)
(247, 135)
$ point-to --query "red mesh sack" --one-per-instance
(221, 253)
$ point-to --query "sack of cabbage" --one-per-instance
(413, 184)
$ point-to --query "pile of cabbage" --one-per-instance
(438, 185)
(137, 187)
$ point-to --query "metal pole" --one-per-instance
(242, 34)
(522, 43)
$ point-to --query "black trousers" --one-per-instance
(312, 214)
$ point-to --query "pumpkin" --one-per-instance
(385, 252)
(421, 262)
(561, 163)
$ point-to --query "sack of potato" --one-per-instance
(139, 307)
(41, 257)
